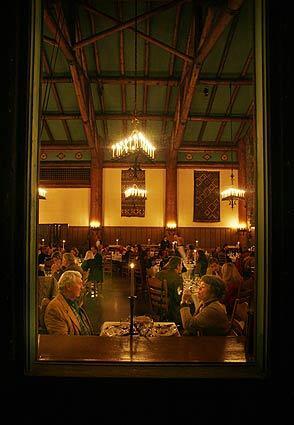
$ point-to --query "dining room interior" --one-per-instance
(143, 160)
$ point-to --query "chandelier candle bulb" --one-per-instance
(136, 142)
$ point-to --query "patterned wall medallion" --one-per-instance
(206, 196)
(128, 208)
(79, 155)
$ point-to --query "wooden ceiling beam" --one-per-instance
(170, 71)
(55, 94)
(223, 20)
(79, 80)
(99, 86)
(122, 69)
(146, 69)
(124, 25)
(234, 96)
(152, 117)
(152, 40)
(151, 81)
(221, 66)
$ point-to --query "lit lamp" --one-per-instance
(132, 298)
(135, 192)
(232, 194)
(171, 225)
(42, 193)
(242, 228)
(94, 224)
(136, 143)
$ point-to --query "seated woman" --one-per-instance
(201, 263)
(171, 272)
(63, 315)
(211, 317)
(214, 267)
(234, 282)
(93, 265)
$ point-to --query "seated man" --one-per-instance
(211, 317)
(63, 316)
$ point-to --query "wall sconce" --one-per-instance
(42, 193)
(95, 224)
(171, 225)
(242, 228)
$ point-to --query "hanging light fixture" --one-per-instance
(135, 192)
(137, 142)
(232, 194)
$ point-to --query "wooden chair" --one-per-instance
(107, 266)
(41, 314)
(239, 317)
(158, 297)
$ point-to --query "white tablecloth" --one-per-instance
(155, 330)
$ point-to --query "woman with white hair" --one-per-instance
(63, 315)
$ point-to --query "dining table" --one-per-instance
(147, 329)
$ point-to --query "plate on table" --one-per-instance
(165, 329)
(116, 330)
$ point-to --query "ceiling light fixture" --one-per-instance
(232, 194)
(137, 142)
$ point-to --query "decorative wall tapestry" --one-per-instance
(206, 196)
(128, 207)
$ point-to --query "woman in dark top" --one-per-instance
(172, 274)
(95, 268)
(201, 263)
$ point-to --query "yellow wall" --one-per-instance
(228, 215)
(154, 204)
(70, 206)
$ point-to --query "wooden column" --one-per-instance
(96, 196)
(171, 210)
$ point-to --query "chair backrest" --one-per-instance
(239, 317)
(158, 296)
(107, 265)
(41, 314)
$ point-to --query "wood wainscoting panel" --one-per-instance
(78, 236)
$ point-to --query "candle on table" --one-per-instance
(132, 265)
(63, 242)
(148, 241)
(196, 244)
(116, 241)
(43, 240)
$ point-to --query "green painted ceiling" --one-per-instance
(230, 59)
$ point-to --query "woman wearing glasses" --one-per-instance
(210, 317)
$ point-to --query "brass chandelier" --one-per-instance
(136, 143)
(232, 194)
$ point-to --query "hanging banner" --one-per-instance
(206, 196)
(129, 208)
